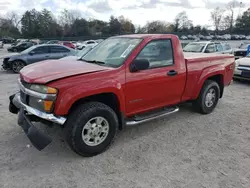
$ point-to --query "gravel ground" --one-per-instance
(185, 149)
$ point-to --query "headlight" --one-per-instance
(43, 89)
(237, 63)
(42, 103)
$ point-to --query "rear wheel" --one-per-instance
(17, 66)
(91, 128)
(208, 97)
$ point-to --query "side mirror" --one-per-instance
(139, 64)
(32, 53)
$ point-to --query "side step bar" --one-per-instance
(140, 119)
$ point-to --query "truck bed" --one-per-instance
(202, 65)
(189, 56)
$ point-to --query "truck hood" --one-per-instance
(244, 61)
(50, 70)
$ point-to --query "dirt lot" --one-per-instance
(183, 150)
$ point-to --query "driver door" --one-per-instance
(160, 85)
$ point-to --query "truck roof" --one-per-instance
(146, 36)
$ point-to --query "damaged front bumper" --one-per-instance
(25, 114)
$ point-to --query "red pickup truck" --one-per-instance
(125, 80)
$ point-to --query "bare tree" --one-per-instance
(181, 21)
(14, 19)
(216, 16)
(157, 26)
(232, 8)
(67, 18)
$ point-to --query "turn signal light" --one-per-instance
(51, 90)
(47, 105)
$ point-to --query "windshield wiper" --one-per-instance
(94, 61)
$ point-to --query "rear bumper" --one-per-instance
(25, 113)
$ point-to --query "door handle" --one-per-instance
(172, 73)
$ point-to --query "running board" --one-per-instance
(151, 116)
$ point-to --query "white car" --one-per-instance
(183, 37)
(242, 68)
(86, 43)
(208, 47)
(81, 53)
(1, 44)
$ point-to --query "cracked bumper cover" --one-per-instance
(37, 138)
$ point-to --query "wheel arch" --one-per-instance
(217, 77)
(110, 99)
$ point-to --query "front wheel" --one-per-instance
(91, 128)
(208, 97)
(17, 66)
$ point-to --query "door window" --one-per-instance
(58, 49)
(159, 53)
(210, 48)
(41, 50)
(227, 47)
(219, 47)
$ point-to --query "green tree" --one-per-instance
(80, 27)
(242, 25)
(115, 27)
(127, 25)
(156, 27)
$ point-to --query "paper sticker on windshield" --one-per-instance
(127, 51)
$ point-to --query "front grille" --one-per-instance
(244, 66)
(245, 74)
(25, 84)
(240, 53)
(24, 97)
(6, 65)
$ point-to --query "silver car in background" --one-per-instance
(36, 54)
(208, 47)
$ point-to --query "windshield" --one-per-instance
(113, 51)
(83, 52)
(28, 50)
(194, 47)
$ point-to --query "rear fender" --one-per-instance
(205, 75)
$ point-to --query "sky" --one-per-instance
(139, 11)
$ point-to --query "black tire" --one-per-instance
(79, 118)
(17, 66)
(200, 103)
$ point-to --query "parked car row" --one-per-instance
(1, 44)
(208, 47)
(21, 44)
(215, 37)
(37, 53)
